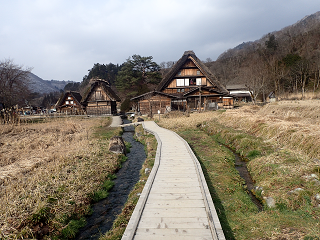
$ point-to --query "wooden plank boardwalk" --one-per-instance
(175, 202)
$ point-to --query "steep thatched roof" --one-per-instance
(105, 86)
(203, 68)
(76, 96)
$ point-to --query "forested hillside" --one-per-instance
(285, 61)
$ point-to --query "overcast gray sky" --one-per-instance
(62, 39)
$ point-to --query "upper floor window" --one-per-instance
(179, 73)
(180, 82)
(69, 98)
(67, 102)
(198, 80)
(188, 82)
(198, 72)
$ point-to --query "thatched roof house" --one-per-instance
(188, 85)
(70, 102)
(100, 98)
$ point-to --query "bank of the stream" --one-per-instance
(105, 211)
(119, 225)
(287, 213)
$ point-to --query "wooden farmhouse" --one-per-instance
(70, 103)
(100, 98)
(189, 85)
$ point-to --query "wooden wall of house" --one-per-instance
(156, 103)
(103, 107)
(71, 110)
(193, 102)
(227, 102)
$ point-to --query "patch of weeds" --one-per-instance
(281, 206)
(112, 176)
(72, 228)
(103, 192)
(258, 194)
(253, 154)
(122, 158)
(42, 216)
(128, 146)
(107, 185)
(311, 238)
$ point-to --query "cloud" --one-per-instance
(63, 39)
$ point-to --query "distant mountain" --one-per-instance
(284, 61)
(304, 25)
(39, 85)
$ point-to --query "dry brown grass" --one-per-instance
(23, 147)
(298, 96)
(49, 168)
(291, 125)
(290, 133)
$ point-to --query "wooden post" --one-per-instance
(200, 99)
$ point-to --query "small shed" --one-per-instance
(70, 103)
(240, 92)
(100, 99)
(152, 102)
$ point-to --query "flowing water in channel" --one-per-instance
(105, 211)
(241, 166)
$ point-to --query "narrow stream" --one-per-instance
(105, 211)
(241, 166)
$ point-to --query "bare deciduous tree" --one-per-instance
(14, 81)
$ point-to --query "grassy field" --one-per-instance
(281, 144)
(47, 181)
(50, 172)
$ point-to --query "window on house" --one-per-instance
(198, 72)
(67, 102)
(71, 102)
(192, 81)
(69, 98)
(198, 81)
(179, 73)
(180, 82)
(186, 82)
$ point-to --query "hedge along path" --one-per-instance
(175, 202)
